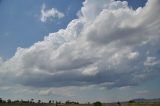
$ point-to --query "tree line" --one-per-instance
(31, 101)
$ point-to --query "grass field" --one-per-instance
(105, 104)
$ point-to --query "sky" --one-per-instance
(80, 50)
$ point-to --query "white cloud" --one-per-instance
(61, 91)
(142, 92)
(133, 55)
(124, 88)
(150, 61)
(49, 14)
(1, 60)
(104, 45)
(91, 71)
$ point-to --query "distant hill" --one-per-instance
(146, 100)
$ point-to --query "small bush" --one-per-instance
(131, 101)
(97, 104)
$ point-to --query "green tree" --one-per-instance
(131, 101)
(9, 101)
(39, 101)
(32, 101)
(50, 101)
(1, 100)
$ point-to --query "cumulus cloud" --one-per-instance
(49, 14)
(109, 45)
(1, 60)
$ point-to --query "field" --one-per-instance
(105, 104)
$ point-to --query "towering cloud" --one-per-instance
(109, 45)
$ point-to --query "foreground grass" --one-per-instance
(105, 104)
(144, 104)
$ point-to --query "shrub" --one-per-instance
(131, 101)
(97, 104)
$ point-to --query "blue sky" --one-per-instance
(136, 3)
(18, 13)
(81, 50)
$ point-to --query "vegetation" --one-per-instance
(131, 101)
(97, 104)
(32, 102)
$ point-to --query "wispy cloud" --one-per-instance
(62, 91)
(50, 13)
